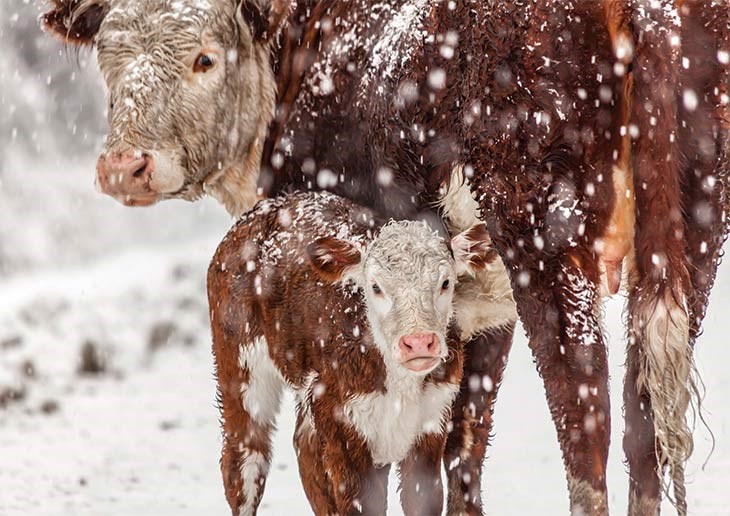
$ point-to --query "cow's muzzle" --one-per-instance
(127, 176)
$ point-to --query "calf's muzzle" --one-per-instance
(420, 351)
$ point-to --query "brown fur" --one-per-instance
(327, 355)
(527, 98)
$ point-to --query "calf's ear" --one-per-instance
(75, 21)
(472, 249)
(332, 258)
(264, 18)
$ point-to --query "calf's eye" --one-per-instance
(376, 289)
(445, 285)
(203, 63)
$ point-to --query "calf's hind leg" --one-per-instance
(249, 394)
(311, 467)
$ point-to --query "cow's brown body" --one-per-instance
(595, 136)
(552, 117)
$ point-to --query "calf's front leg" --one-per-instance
(356, 484)
(421, 490)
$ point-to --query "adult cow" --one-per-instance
(593, 135)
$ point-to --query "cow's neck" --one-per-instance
(236, 187)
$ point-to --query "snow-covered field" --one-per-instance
(106, 385)
(141, 436)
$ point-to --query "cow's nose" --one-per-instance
(419, 345)
(125, 174)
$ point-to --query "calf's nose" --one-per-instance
(125, 174)
(419, 345)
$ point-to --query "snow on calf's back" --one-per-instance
(354, 314)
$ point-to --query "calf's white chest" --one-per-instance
(391, 422)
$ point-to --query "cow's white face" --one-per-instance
(407, 274)
(190, 89)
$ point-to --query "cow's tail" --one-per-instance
(658, 312)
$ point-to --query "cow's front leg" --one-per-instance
(421, 490)
(559, 309)
(471, 424)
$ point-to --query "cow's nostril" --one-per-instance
(140, 171)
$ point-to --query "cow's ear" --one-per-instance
(264, 18)
(472, 249)
(75, 21)
(333, 258)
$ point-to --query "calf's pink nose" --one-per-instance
(419, 345)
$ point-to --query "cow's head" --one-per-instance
(191, 92)
(408, 276)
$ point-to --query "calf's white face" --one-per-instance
(407, 274)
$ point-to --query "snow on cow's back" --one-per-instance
(389, 39)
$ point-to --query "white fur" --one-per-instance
(666, 374)
(584, 499)
(483, 301)
(391, 422)
(168, 175)
(261, 396)
(254, 469)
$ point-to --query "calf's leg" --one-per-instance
(421, 490)
(311, 467)
(249, 394)
(356, 484)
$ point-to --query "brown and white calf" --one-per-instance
(595, 135)
(307, 291)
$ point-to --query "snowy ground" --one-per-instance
(141, 436)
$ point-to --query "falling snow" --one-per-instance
(75, 267)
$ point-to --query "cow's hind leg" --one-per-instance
(559, 309)
(681, 225)
(250, 393)
(485, 358)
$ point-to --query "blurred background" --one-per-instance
(106, 375)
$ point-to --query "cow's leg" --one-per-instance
(421, 490)
(249, 391)
(704, 141)
(471, 423)
(681, 225)
(639, 439)
(311, 467)
(559, 309)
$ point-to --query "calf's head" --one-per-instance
(190, 89)
(408, 276)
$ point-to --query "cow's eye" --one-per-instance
(376, 289)
(445, 285)
(203, 63)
